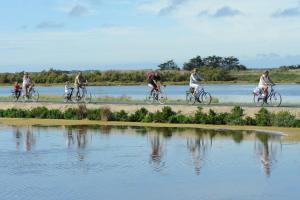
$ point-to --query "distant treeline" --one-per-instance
(212, 68)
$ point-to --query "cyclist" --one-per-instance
(80, 81)
(17, 89)
(194, 81)
(264, 81)
(27, 83)
(68, 90)
(153, 79)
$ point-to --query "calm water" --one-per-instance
(225, 93)
(79, 163)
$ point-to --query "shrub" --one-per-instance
(139, 115)
(180, 119)
(236, 116)
(120, 116)
(263, 117)
(55, 114)
(70, 113)
(94, 114)
(250, 121)
(200, 117)
(81, 111)
(39, 112)
(149, 118)
(106, 114)
(283, 119)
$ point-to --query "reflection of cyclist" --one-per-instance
(194, 81)
(264, 81)
(17, 90)
(79, 83)
(27, 83)
(153, 79)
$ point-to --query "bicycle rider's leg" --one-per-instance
(266, 93)
(196, 87)
(77, 90)
(151, 89)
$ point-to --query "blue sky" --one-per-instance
(131, 34)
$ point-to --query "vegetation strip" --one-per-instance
(235, 117)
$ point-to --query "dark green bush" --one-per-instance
(263, 117)
(106, 114)
(236, 116)
(139, 115)
(94, 114)
(200, 116)
(120, 116)
(70, 113)
(283, 119)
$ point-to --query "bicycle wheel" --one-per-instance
(161, 98)
(258, 100)
(35, 96)
(206, 98)
(275, 99)
(149, 99)
(190, 99)
(13, 97)
(87, 97)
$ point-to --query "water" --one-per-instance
(225, 93)
(78, 163)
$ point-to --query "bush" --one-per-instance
(200, 117)
(120, 116)
(180, 119)
(283, 119)
(94, 114)
(235, 117)
(70, 113)
(81, 112)
(39, 112)
(106, 114)
(263, 117)
(139, 115)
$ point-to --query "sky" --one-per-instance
(138, 34)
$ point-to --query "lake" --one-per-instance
(241, 93)
(102, 162)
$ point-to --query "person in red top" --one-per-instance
(17, 89)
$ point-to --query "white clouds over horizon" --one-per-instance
(99, 33)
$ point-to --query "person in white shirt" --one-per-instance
(194, 81)
(26, 83)
(68, 90)
(264, 82)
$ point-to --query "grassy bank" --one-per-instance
(235, 117)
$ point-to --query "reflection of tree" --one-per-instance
(198, 147)
(156, 152)
(29, 139)
(69, 137)
(267, 150)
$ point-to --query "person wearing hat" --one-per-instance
(26, 83)
(264, 82)
(194, 81)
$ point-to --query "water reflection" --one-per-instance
(25, 137)
(77, 136)
(267, 150)
(198, 142)
(157, 151)
(198, 148)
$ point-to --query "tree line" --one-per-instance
(212, 68)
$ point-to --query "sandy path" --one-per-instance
(185, 109)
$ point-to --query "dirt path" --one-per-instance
(185, 109)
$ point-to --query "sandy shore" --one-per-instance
(185, 109)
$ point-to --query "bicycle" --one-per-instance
(157, 96)
(68, 97)
(201, 96)
(274, 98)
(15, 95)
(32, 95)
(85, 95)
